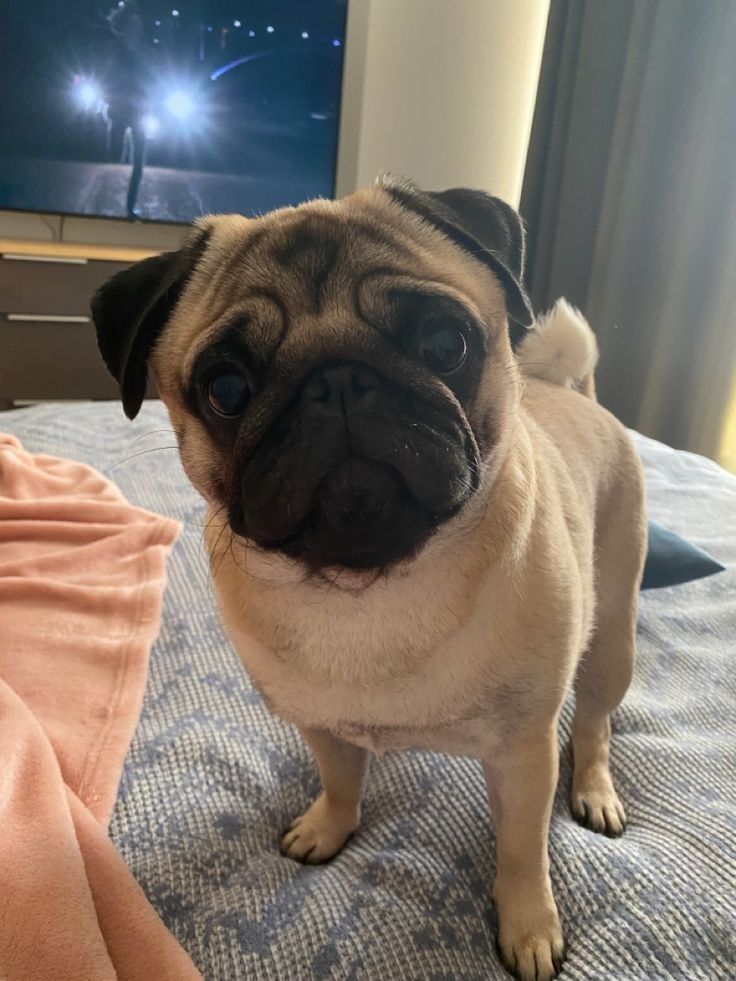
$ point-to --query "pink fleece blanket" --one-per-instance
(82, 574)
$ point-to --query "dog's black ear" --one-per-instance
(487, 227)
(131, 309)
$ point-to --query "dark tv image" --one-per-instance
(166, 111)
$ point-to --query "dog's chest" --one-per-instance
(427, 707)
(382, 676)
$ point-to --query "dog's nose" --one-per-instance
(341, 388)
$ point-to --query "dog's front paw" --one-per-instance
(530, 942)
(320, 832)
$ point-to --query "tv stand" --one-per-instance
(48, 348)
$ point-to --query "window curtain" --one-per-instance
(630, 201)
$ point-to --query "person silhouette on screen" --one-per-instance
(125, 74)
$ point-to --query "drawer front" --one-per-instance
(59, 287)
(53, 361)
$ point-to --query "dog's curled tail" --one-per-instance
(561, 348)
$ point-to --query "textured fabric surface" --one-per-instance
(212, 780)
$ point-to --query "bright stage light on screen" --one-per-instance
(269, 29)
(180, 104)
(86, 93)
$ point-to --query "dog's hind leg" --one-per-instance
(605, 670)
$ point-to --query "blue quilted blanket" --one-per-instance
(212, 779)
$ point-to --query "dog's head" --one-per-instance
(340, 375)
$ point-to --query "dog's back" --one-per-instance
(557, 359)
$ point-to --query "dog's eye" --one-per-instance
(443, 349)
(228, 394)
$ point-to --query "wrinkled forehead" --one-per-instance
(309, 265)
(314, 256)
(310, 254)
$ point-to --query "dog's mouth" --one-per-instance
(359, 482)
(362, 517)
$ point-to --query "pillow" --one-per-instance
(672, 560)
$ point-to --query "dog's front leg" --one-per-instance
(521, 783)
(325, 826)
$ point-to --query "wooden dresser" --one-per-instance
(48, 348)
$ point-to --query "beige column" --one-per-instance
(441, 91)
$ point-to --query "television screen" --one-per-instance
(166, 111)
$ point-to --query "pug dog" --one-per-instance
(423, 529)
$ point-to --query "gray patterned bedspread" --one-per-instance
(212, 780)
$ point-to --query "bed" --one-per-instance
(212, 780)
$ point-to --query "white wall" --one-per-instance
(444, 92)
(439, 90)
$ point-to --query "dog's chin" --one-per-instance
(362, 521)
(316, 549)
